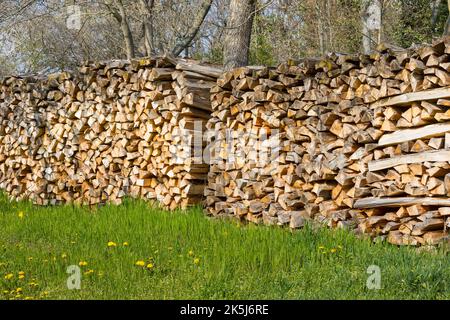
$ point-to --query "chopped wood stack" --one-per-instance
(117, 128)
(355, 141)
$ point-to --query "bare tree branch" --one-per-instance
(185, 41)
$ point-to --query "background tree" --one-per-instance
(238, 34)
(35, 37)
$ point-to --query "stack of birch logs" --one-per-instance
(357, 141)
(113, 129)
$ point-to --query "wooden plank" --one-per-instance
(400, 201)
(210, 71)
(400, 136)
(434, 156)
(405, 99)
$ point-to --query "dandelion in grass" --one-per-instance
(9, 276)
(21, 215)
(333, 250)
(125, 244)
(89, 272)
(21, 275)
(150, 266)
(19, 290)
(140, 263)
(82, 263)
(190, 253)
(112, 244)
(197, 261)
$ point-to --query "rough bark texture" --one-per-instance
(125, 27)
(148, 6)
(447, 23)
(237, 39)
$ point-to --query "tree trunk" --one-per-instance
(321, 28)
(147, 7)
(371, 16)
(435, 10)
(238, 34)
(125, 27)
(365, 30)
(447, 23)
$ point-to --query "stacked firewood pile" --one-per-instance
(357, 141)
(114, 129)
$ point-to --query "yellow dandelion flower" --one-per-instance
(112, 244)
(82, 263)
(150, 266)
(89, 272)
(9, 276)
(333, 250)
(125, 244)
(140, 263)
(191, 253)
(21, 273)
(21, 215)
(196, 261)
(19, 290)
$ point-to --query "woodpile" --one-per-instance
(111, 130)
(351, 141)
(355, 141)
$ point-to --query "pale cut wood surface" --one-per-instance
(406, 98)
(440, 155)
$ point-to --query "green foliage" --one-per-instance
(414, 23)
(261, 49)
(186, 255)
(215, 55)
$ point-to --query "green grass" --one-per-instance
(234, 261)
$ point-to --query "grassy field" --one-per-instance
(135, 251)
